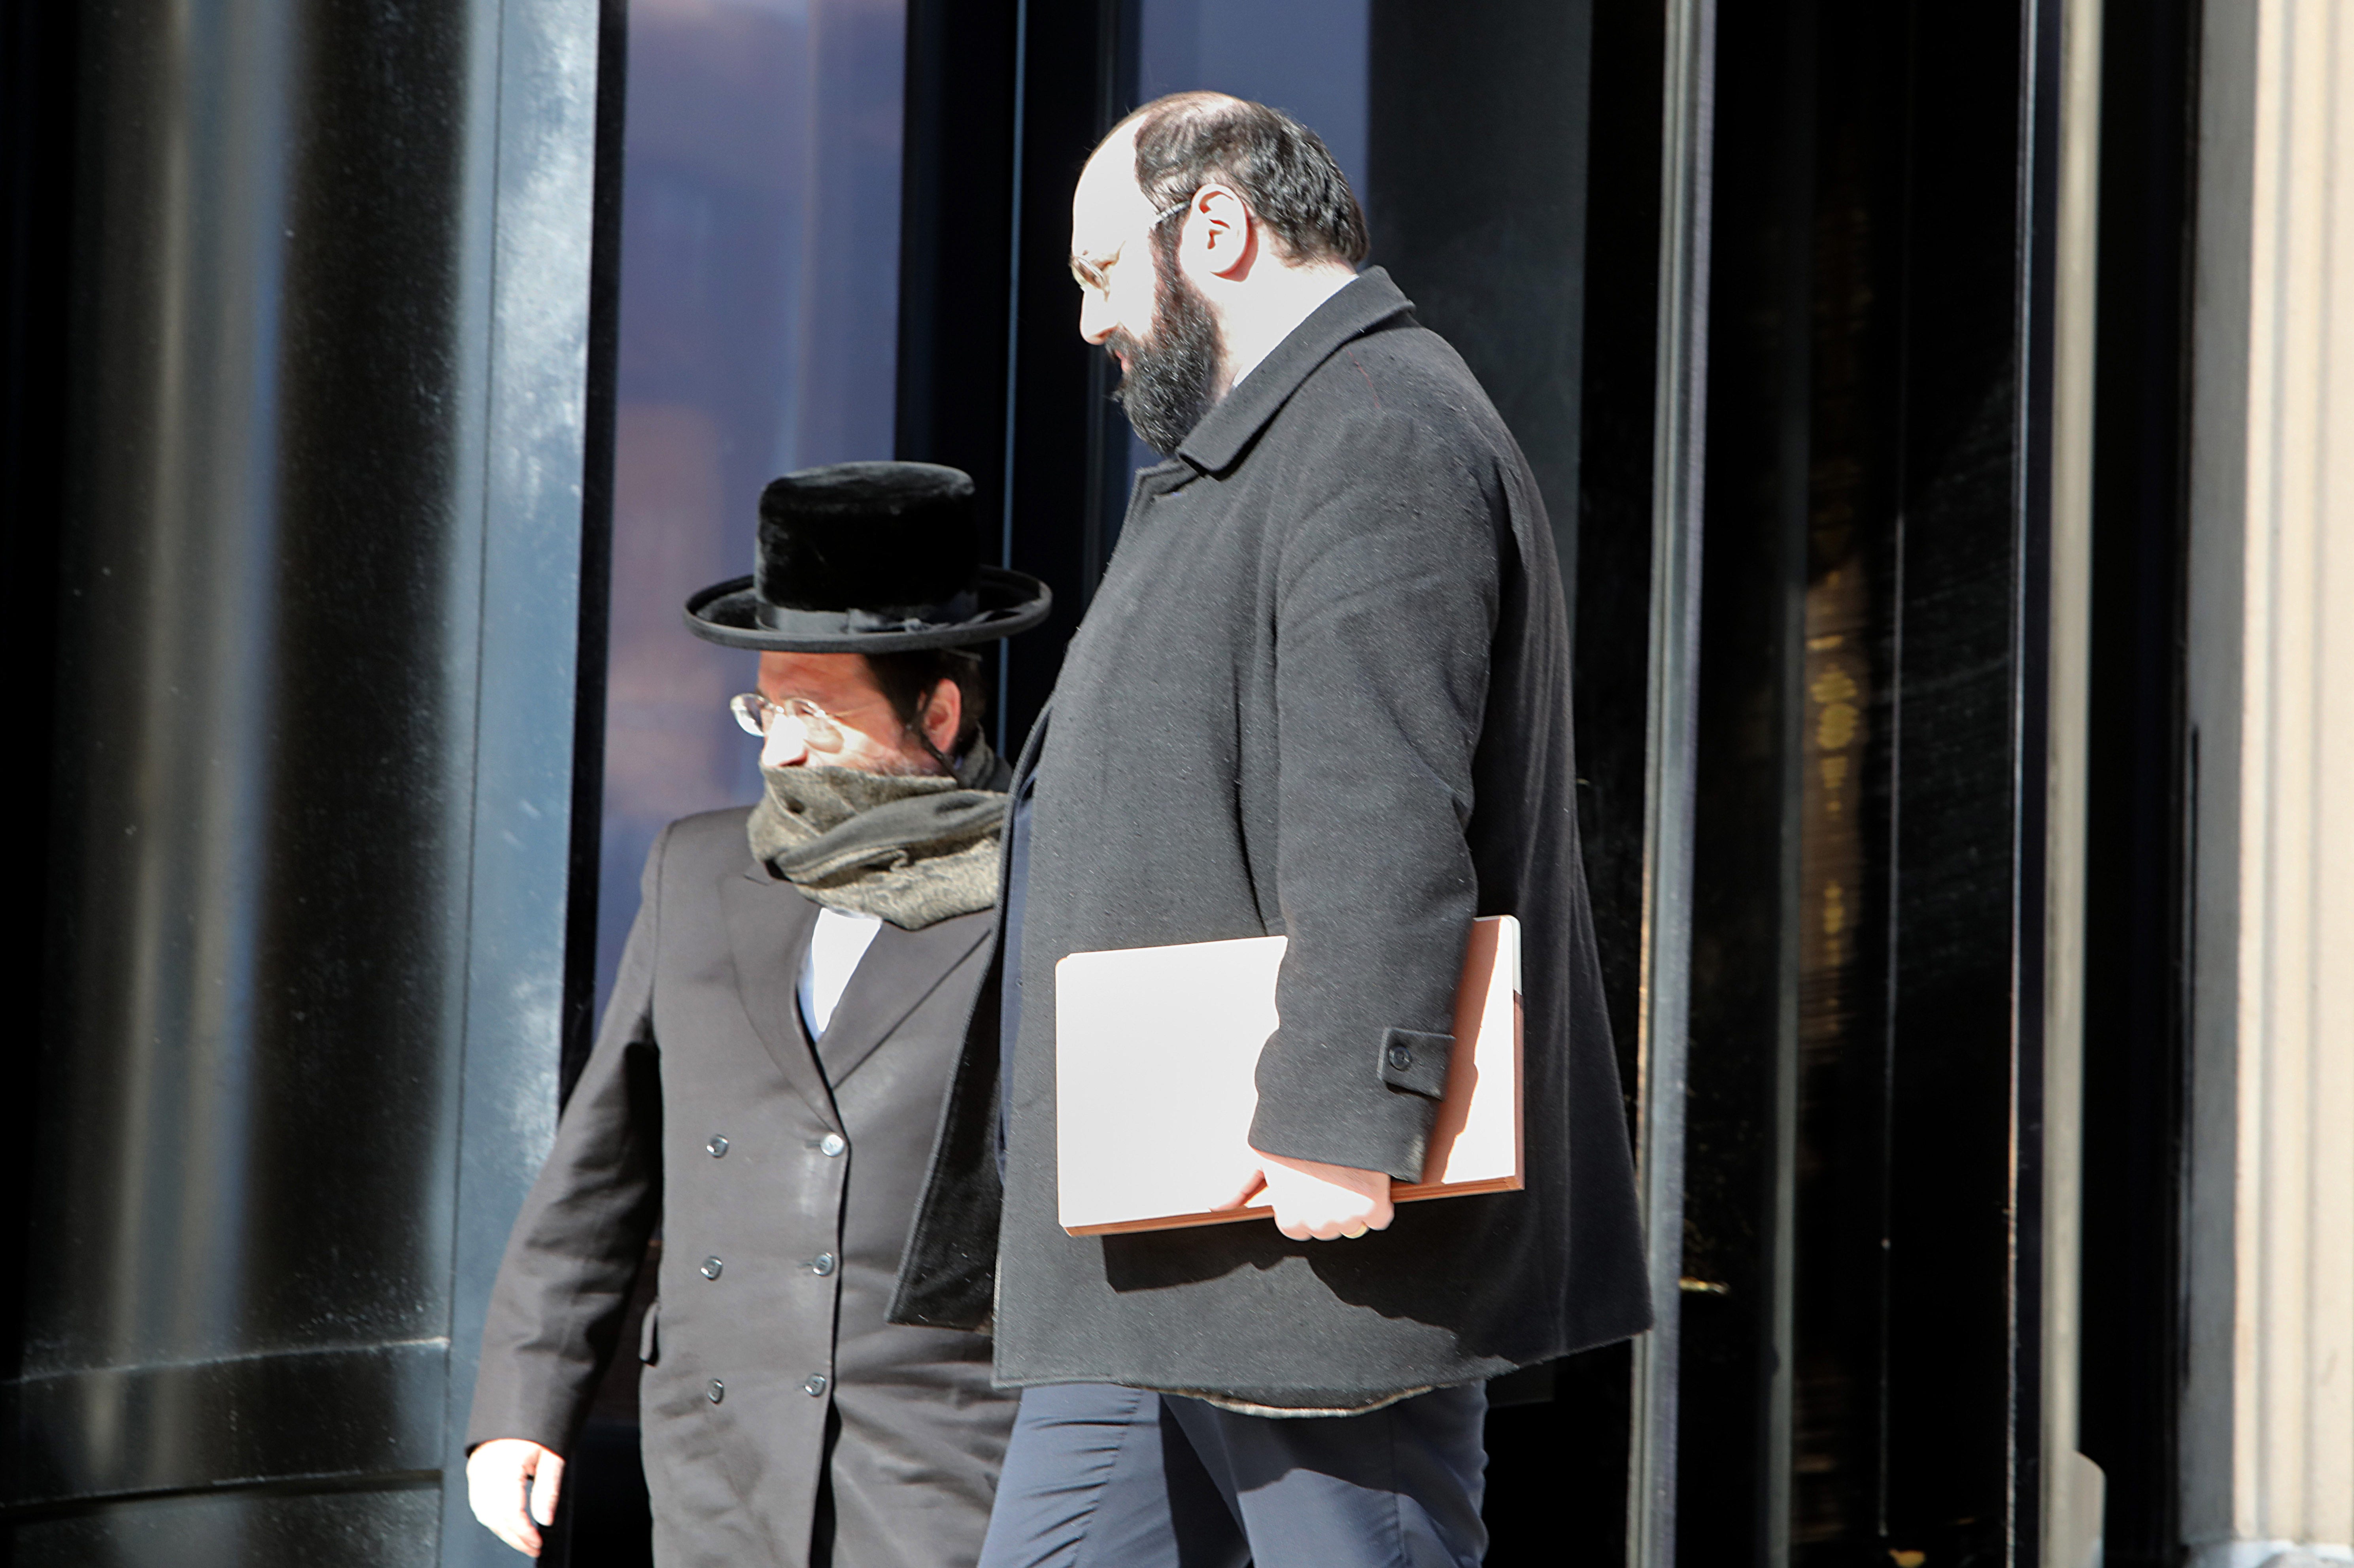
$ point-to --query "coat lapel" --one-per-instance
(769, 924)
(899, 970)
(1032, 743)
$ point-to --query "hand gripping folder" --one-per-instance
(1156, 1050)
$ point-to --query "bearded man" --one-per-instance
(767, 1082)
(1323, 691)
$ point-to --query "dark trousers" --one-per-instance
(1102, 1477)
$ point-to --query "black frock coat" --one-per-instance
(1323, 690)
(783, 1176)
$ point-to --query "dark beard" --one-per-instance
(1171, 377)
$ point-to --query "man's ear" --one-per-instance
(943, 717)
(1221, 229)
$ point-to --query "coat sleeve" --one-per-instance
(564, 1285)
(1385, 611)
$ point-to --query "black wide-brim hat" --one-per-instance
(867, 557)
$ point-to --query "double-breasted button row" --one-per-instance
(716, 1147)
(833, 1146)
(814, 1387)
(823, 1264)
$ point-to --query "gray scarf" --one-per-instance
(914, 849)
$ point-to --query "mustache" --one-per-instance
(1122, 349)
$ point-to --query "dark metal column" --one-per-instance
(1068, 81)
(319, 603)
(1679, 466)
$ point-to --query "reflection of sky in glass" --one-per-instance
(1306, 58)
(760, 301)
(758, 326)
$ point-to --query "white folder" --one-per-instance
(1156, 1050)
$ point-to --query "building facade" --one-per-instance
(1939, 413)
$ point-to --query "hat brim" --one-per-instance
(1008, 602)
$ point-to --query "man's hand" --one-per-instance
(1317, 1202)
(496, 1474)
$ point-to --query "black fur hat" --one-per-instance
(867, 557)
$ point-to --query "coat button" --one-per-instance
(711, 1267)
(718, 1146)
(1401, 1058)
(821, 1264)
(815, 1386)
(832, 1145)
(716, 1392)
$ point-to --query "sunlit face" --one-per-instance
(874, 740)
(1138, 305)
(1110, 224)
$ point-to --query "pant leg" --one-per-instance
(1099, 1476)
(1395, 1487)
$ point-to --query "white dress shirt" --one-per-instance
(838, 942)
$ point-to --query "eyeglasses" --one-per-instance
(1090, 273)
(820, 730)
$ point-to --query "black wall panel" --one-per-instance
(319, 539)
(2136, 932)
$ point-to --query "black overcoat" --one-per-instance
(1323, 690)
(783, 1175)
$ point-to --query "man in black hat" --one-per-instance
(767, 1083)
(1323, 691)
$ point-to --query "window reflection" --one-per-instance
(758, 323)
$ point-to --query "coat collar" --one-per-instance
(769, 924)
(1026, 763)
(1229, 429)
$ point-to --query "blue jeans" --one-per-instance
(1102, 1477)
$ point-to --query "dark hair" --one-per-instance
(907, 680)
(1286, 176)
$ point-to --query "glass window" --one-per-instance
(1306, 58)
(758, 326)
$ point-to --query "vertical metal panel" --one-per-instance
(960, 182)
(1795, 498)
(598, 490)
(1735, 1357)
(542, 184)
(2072, 1484)
(956, 182)
(1677, 495)
(1068, 54)
(2134, 1007)
(2043, 660)
(319, 599)
(242, 1059)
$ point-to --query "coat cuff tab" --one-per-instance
(1416, 1061)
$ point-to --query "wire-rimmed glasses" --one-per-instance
(1092, 272)
(755, 713)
